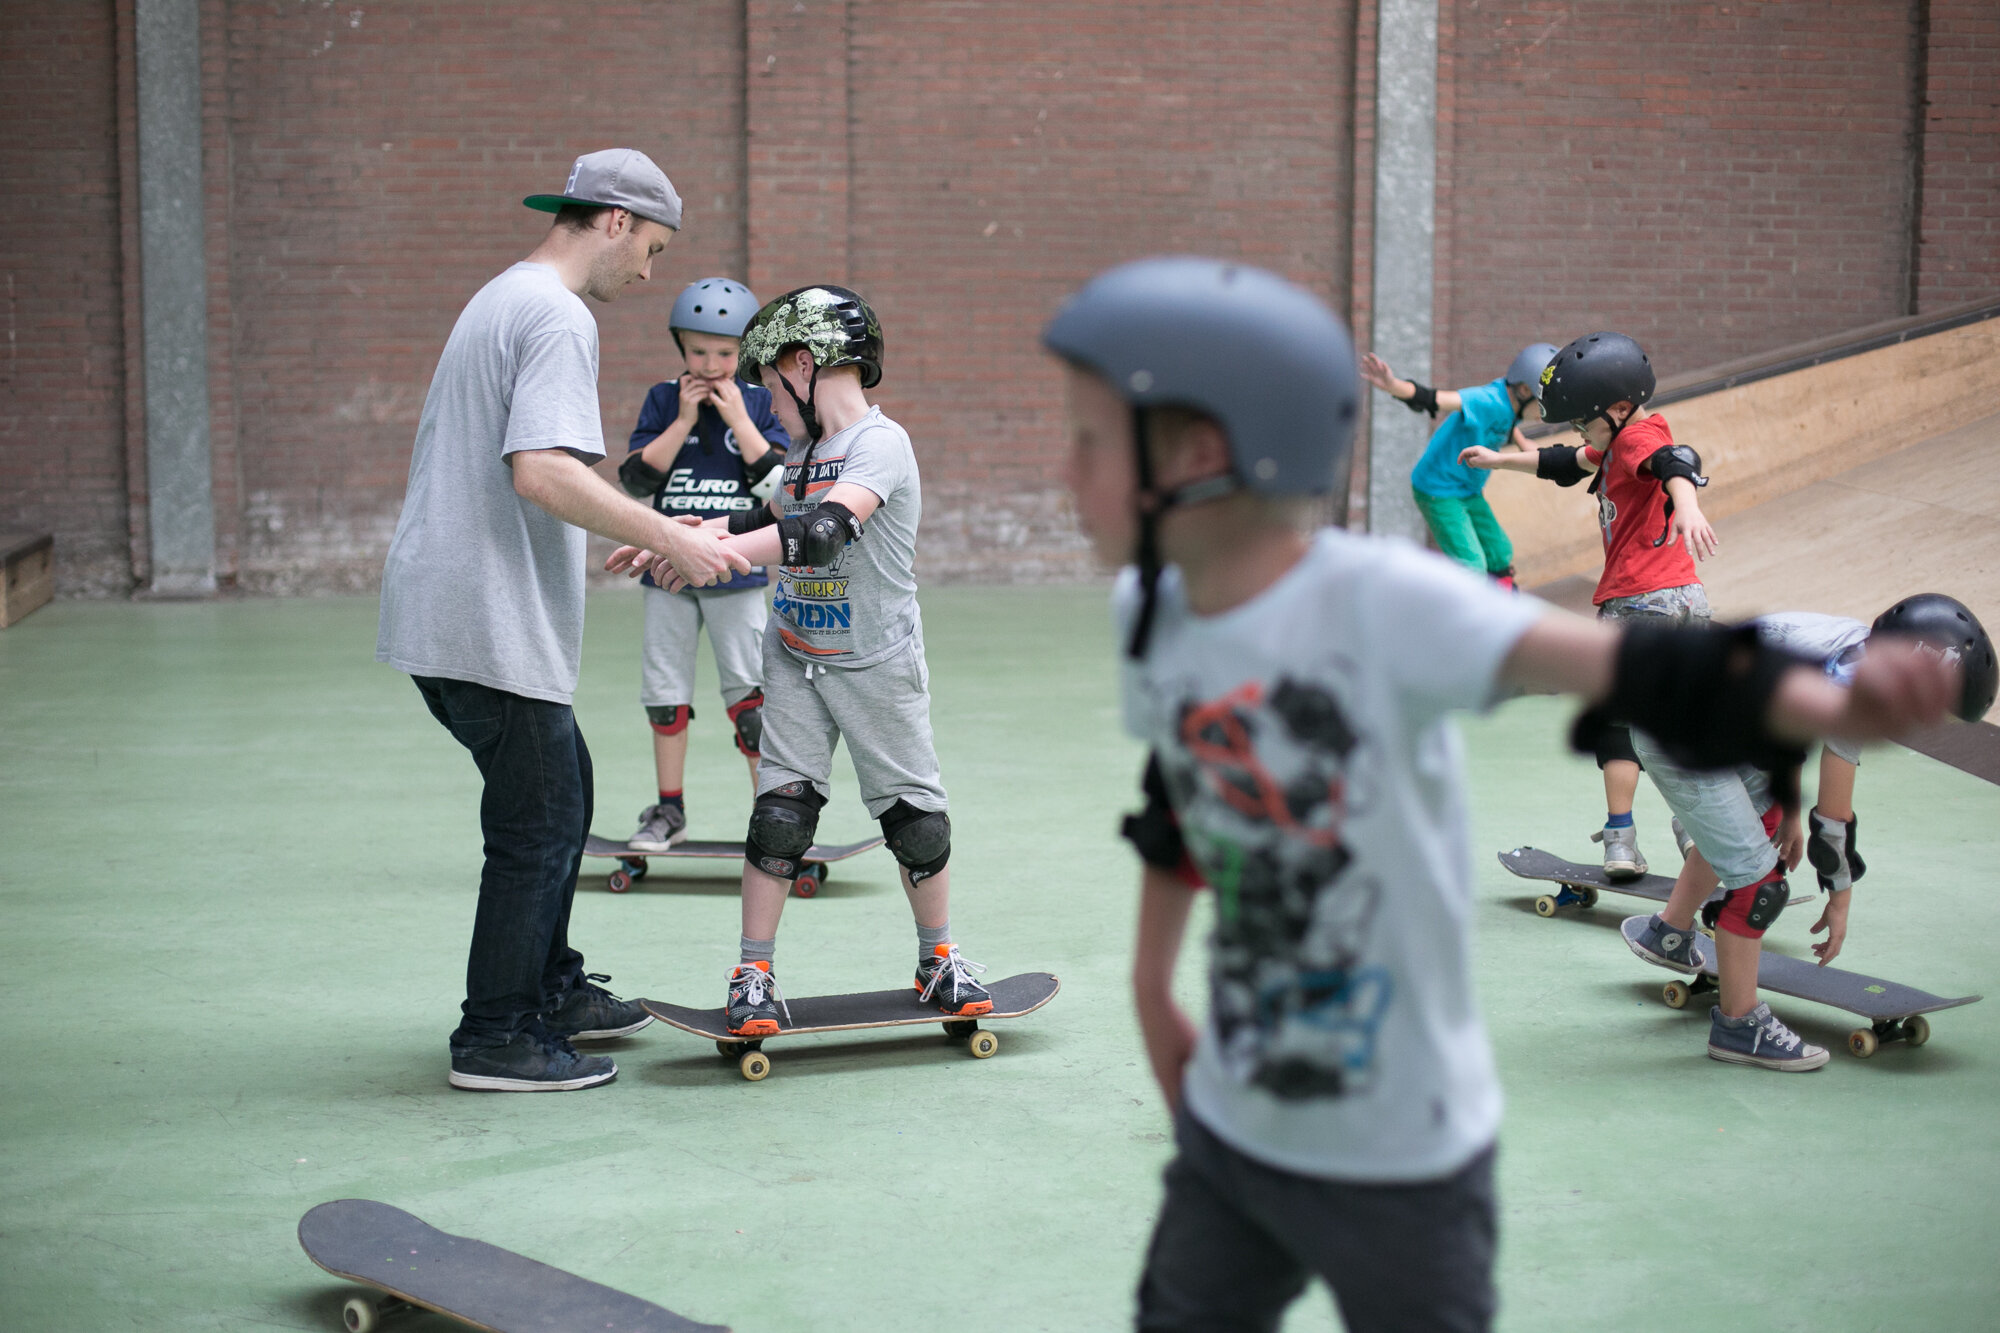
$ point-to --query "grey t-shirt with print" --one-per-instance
(862, 606)
(1837, 643)
(481, 584)
(1310, 758)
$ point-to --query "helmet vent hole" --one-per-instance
(1266, 469)
(1141, 380)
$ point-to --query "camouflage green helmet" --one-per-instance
(832, 323)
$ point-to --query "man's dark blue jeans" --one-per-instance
(534, 813)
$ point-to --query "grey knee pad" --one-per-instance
(782, 825)
(919, 839)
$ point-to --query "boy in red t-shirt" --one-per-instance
(1650, 515)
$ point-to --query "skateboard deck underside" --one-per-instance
(1870, 997)
(469, 1280)
(1012, 997)
(721, 851)
(1534, 863)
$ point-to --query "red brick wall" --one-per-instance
(1004, 152)
(1958, 257)
(1740, 172)
(62, 358)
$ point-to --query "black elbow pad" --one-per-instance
(638, 477)
(818, 535)
(1154, 831)
(1677, 460)
(1557, 463)
(767, 460)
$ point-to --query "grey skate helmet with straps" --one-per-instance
(712, 305)
(1946, 625)
(833, 324)
(1265, 358)
(1588, 376)
(1528, 364)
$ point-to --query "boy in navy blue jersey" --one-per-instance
(706, 446)
(1336, 1114)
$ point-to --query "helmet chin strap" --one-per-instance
(1152, 505)
(811, 420)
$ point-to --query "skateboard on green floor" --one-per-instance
(1012, 998)
(415, 1264)
(1580, 884)
(1895, 1012)
(632, 865)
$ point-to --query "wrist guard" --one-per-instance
(1830, 848)
(1703, 693)
(1557, 463)
(767, 460)
(637, 477)
(817, 536)
(1154, 831)
(1424, 399)
(749, 520)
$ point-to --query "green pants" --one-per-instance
(1467, 531)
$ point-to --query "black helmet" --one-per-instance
(832, 323)
(1591, 374)
(1945, 624)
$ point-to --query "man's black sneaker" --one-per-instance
(532, 1062)
(588, 1012)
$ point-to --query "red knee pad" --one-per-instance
(1738, 905)
(671, 720)
(747, 716)
(1771, 817)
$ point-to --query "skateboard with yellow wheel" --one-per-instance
(1011, 997)
(632, 865)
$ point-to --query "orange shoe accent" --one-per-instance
(762, 1027)
(972, 1010)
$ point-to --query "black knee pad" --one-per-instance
(1766, 901)
(1615, 743)
(748, 715)
(670, 719)
(782, 825)
(919, 839)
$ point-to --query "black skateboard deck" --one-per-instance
(1580, 884)
(464, 1279)
(1012, 998)
(1894, 1011)
(632, 865)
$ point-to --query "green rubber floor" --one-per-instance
(237, 869)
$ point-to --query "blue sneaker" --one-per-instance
(1760, 1038)
(1669, 946)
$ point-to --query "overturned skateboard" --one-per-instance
(632, 865)
(1894, 1012)
(1012, 998)
(1580, 884)
(415, 1264)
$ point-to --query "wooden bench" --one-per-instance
(30, 577)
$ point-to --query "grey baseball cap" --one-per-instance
(620, 178)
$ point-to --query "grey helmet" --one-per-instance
(1264, 357)
(1529, 363)
(712, 305)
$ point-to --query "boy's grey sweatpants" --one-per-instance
(1238, 1240)
(883, 709)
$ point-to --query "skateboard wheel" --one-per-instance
(1916, 1029)
(360, 1315)
(1545, 905)
(1862, 1042)
(755, 1065)
(618, 881)
(1589, 896)
(1675, 993)
(808, 882)
(961, 1029)
(982, 1045)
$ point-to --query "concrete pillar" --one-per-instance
(174, 299)
(1405, 227)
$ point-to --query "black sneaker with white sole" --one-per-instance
(533, 1061)
(588, 1012)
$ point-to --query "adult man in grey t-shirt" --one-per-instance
(482, 603)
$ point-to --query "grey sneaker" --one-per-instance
(1682, 838)
(660, 827)
(534, 1061)
(1622, 860)
(591, 1013)
(752, 1007)
(1668, 946)
(1760, 1038)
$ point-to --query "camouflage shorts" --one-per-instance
(1679, 606)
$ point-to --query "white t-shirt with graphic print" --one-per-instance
(1317, 777)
